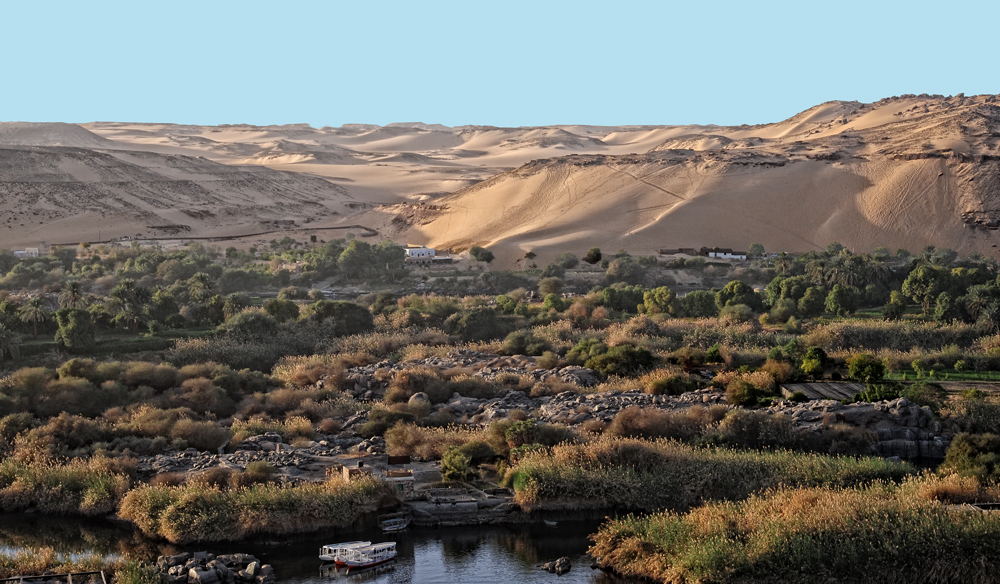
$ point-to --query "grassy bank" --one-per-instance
(196, 512)
(880, 533)
(41, 560)
(91, 487)
(631, 474)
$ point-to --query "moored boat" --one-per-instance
(371, 555)
(393, 522)
(335, 551)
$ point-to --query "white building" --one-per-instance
(419, 252)
(30, 252)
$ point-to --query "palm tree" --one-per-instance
(34, 311)
(130, 301)
(73, 295)
(10, 344)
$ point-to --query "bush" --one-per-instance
(621, 360)
(740, 392)
(974, 455)
(524, 343)
(201, 435)
(456, 466)
(635, 422)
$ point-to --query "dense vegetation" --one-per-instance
(118, 352)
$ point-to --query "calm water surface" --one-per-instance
(504, 553)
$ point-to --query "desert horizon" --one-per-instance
(906, 171)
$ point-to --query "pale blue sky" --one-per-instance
(504, 63)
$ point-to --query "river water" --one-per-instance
(487, 554)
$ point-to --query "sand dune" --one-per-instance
(903, 172)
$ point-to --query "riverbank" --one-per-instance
(918, 531)
(475, 554)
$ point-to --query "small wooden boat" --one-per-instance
(368, 556)
(393, 522)
(550, 523)
(335, 552)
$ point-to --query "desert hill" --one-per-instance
(902, 172)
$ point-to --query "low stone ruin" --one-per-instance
(206, 568)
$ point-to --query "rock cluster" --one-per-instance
(559, 567)
(369, 382)
(206, 568)
(903, 428)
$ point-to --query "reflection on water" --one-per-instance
(504, 553)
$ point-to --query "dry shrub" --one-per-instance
(780, 371)
(878, 533)
(168, 479)
(552, 385)
(200, 435)
(197, 513)
(635, 422)
(421, 351)
(594, 426)
(159, 377)
(426, 443)
(329, 426)
(201, 395)
(217, 477)
(953, 489)
(411, 380)
(516, 381)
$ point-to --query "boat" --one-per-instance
(550, 523)
(335, 551)
(370, 555)
(394, 522)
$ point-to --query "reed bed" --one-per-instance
(201, 513)
(80, 487)
(634, 474)
(883, 532)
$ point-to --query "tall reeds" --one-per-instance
(880, 533)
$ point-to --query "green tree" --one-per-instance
(35, 311)
(73, 295)
(623, 298)
(481, 254)
(251, 326)
(625, 270)
(282, 310)
(550, 285)
(813, 302)
(866, 368)
(945, 309)
(737, 292)
(479, 324)
(235, 302)
(348, 318)
(10, 344)
(842, 300)
(77, 331)
(700, 304)
(568, 261)
(924, 284)
(660, 300)
(756, 251)
(593, 255)
(553, 271)
(896, 306)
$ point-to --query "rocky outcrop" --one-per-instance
(903, 428)
(206, 568)
(558, 567)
